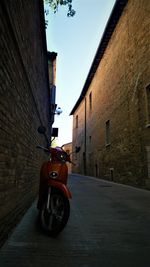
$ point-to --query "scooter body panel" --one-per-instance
(59, 169)
(54, 174)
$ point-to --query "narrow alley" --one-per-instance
(108, 227)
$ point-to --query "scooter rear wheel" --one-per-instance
(54, 218)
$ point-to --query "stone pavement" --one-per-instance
(109, 226)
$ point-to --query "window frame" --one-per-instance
(90, 101)
(107, 133)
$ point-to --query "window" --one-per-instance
(148, 103)
(107, 136)
(77, 121)
(90, 101)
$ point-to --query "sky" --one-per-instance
(76, 40)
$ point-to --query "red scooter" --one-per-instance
(54, 195)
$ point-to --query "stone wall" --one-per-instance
(118, 93)
(68, 148)
(24, 105)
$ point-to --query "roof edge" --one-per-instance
(109, 29)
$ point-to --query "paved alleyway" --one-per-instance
(109, 226)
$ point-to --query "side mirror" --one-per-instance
(41, 130)
(77, 149)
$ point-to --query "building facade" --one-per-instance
(24, 106)
(111, 119)
(68, 148)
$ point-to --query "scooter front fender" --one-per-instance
(61, 187)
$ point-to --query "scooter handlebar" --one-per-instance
(61, 156)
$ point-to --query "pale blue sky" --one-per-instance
(75, 40)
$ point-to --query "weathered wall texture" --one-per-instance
(119, 99)
(24, 105)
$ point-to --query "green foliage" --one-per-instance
(54, 4)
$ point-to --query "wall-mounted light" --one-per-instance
(58, 111)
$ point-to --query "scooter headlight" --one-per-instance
(53, 174)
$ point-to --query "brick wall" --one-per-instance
(118, 96)
(24, 105)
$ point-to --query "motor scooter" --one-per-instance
(54, 195)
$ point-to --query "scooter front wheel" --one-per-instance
(54, 217)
